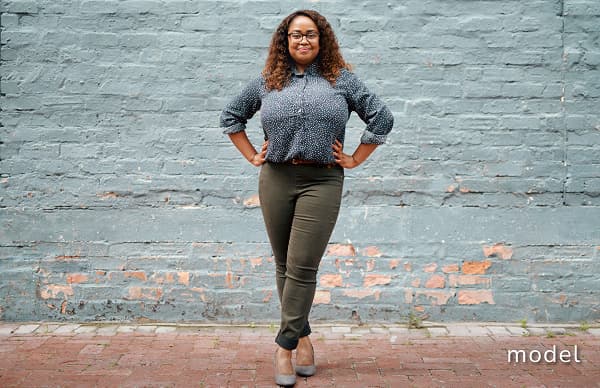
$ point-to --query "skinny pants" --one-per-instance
(300, 206)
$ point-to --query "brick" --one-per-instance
(499, 331)
(376, 279)
(66, 329)
(331, 280)
(362, 293)
(475, 267)
(152, 293)
(341, 250)
(475, 297)
(516, 330)
(468, 280)
(77, 278)
(322, 297)
(498, 250)
(436, 281)
(437, 331)
(53, 291)
(450, 268)
(435, 297)
(372, 251)
(26, 329)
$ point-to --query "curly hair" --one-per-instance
(278, 66)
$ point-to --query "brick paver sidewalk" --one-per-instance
(88, 355)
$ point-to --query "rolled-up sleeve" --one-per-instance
(239, 110)
(370, 109)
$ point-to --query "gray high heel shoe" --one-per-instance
(280, 379)
(307, 370)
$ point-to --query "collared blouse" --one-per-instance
(304, 118)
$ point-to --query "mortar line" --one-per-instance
(563, 70)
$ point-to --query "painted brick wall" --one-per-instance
(121, 200)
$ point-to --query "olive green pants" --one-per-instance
(300, 205)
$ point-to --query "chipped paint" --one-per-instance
(498, 250)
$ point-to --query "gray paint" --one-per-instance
(121, 200)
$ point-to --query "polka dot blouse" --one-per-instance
(303, 119)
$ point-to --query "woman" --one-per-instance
(306, 93)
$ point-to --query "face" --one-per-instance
(303, 50)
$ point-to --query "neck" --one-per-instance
(300, 68)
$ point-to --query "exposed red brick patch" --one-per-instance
(168, 278)
(451, 188)
(63, 307)
(436, 297)
(268, 296)
(252, 201)
(341, 250)
(498, 250)
(76, 278)
(436, 281)
(370, 264)
(394, 263)
(322, 297)
(229, 279)
(100, 273)
(430, 267)
(419, 308)
(476, 267)
(450, 268)
(153, 293)
(464, 190)
(415, 282)
(54, 290)
(376, 279)
(184, 278)
(331, 280)
(407, 266)
(468, 280)
(362, 293)
(372, 251)
(255, 261)
(475, 297)
(141, 275)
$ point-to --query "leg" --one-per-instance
(276, 192)
(315, 215)
(277, 199)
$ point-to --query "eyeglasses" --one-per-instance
(310, 36)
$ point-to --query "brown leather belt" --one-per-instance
(297, 162)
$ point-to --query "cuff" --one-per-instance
(235, 128)
(372, 138)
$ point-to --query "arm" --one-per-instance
(242, 143)
(372, 112)
(235, 116)
(361, 154)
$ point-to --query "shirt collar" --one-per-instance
(312, 69)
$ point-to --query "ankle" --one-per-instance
(284, 353)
